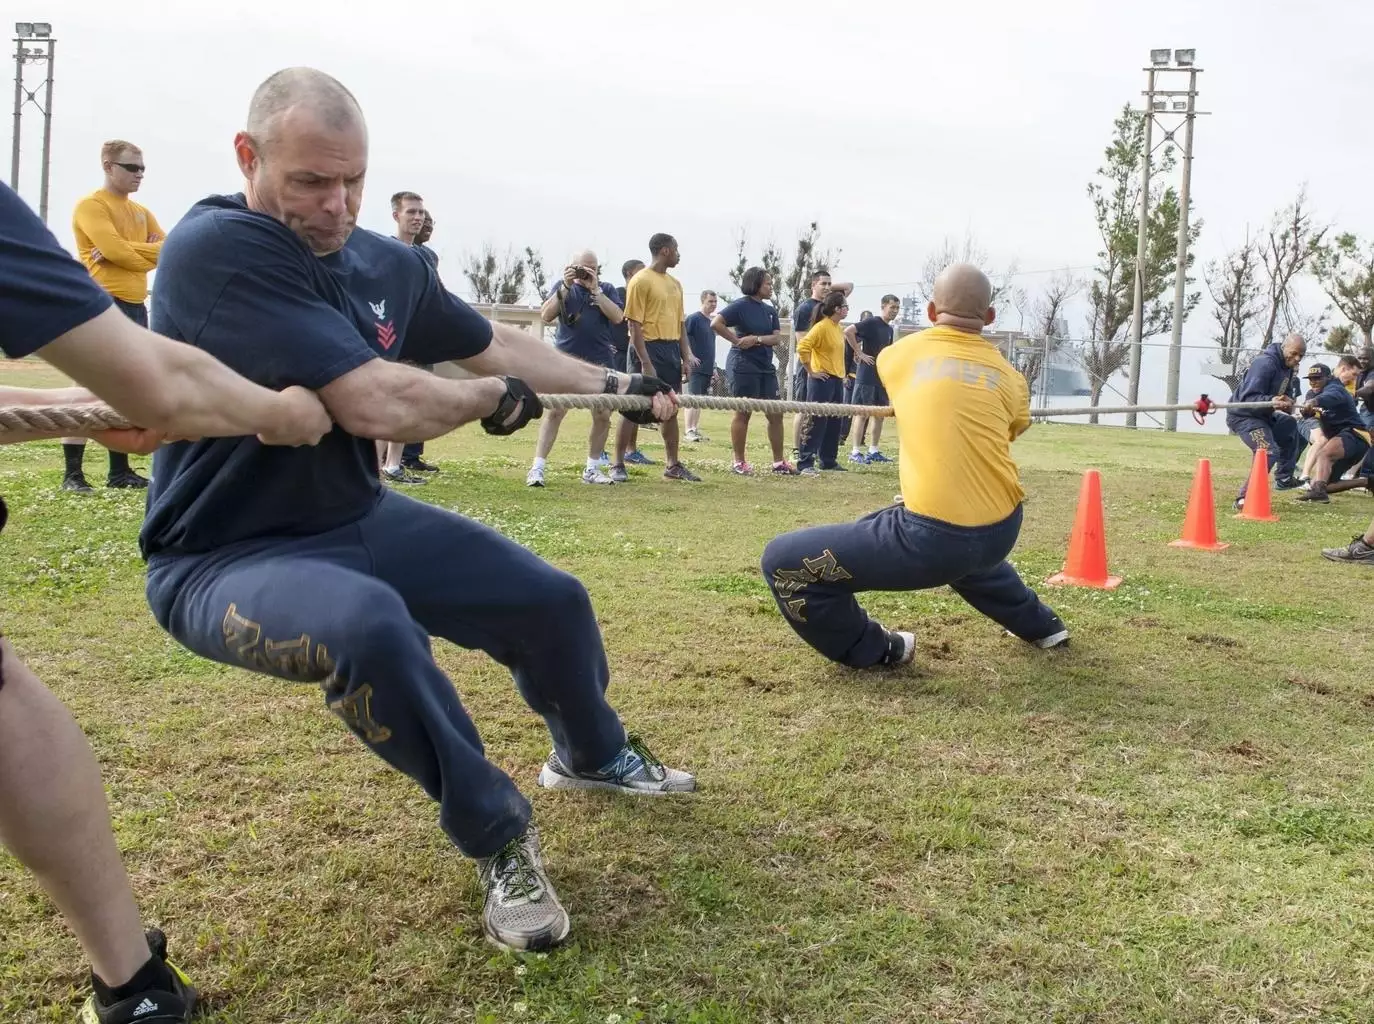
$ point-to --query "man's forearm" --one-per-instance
(517, 353)
(548, 312)
(162, 384)
(609, 309)
(637, 342)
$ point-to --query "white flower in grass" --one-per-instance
(613, 1018)
(521, 970)
(520, 1008)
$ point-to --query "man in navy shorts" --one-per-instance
(53, 814)
(750, 324)
(299, 564)
(871, 336)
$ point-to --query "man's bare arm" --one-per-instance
(637, 342)
(178, 390)
(548, 312)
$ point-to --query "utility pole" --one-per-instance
(1181, 271)
(33, 44)
(1142, 234)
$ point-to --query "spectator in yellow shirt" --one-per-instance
(821, 351)
(118, 241)
(958, 405)
(658, 347)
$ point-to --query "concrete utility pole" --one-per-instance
(1160, 103)
(33, 44)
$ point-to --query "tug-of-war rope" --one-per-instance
(75, 419)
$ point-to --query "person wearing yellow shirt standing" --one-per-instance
(658, 347)
(118, 241)
(821, 352)
(958, 405)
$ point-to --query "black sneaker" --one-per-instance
(901, 648)
(128, 480)
(76, 483)
(834, 468)
(418, 465)
(400, 476)
(154, 1006)
(1286, 483)
(1356, 551)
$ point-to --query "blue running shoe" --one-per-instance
(638, 458)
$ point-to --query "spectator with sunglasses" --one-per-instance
(118, 241)
(585, 309)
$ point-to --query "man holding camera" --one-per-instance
(585, 309)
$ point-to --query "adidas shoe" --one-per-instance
(521, 911)
(633, 770)
(173, 1005)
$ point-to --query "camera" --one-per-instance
(583, 274)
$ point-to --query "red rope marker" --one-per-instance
(1201, 408)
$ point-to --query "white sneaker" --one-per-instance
(521, 911)
(593, 475)
(534, 478)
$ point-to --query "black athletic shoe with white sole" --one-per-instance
(901, 648)
(172, 1004)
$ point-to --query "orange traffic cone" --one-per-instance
(1086, 565)
(1257, 491)
(1200, 524)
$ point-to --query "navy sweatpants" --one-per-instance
(353, 610)
(815, 573)
(819, 437)
(1278, 436)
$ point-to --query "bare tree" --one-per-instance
(495, 279)
(1345, 270)
(1046, 314)
(1005, 295)
(534, 265)
(1286, 250)
(1233, 284)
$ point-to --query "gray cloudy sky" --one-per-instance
(570, 124)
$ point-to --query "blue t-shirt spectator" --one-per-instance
(703, 341)
(583, 330)
(244, 288)
(44, 292)
(749, 315)
(874, 334)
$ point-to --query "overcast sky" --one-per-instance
(894, 125)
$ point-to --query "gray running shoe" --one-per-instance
(1356, 551)
(633, 770)
(521, 911)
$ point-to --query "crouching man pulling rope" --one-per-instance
(299, 564)
(958, 406)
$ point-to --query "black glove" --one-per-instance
(518, 394)
(648, 387)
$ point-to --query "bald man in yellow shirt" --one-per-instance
(118, 241)
(958, 405)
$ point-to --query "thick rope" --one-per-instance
(78, 419)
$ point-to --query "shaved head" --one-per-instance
(963, 298)
(303, 155)
(1294, 348)
(301, 90)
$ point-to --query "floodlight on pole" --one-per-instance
(1159, 58)
(23, 29)
(1180, 106)
(1185, 58)
(42, 53)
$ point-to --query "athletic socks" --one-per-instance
(73, 453)
(119, 463)
(857, 451)
(872, 449)
(594, 463)
(153, 975)
(539, 463)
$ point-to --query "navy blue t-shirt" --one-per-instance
(702, 341)
(583, 330)
(801, 316)
(44, 292)
(874, 335)
(1338, 408)
(749, 315)
(431, 257)
(245, 289)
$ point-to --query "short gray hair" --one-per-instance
(325, 95)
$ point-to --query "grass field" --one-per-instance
(1172, 821)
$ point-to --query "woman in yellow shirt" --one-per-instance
(821, 352)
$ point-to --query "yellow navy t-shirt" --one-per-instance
(959, 404)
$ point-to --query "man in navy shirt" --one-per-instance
(53, 814)
(1344, 440)
(871, 336)
(413, 454)
(585, 309)
(621, 334)
(1271, 378)
(301, 565)
(750, 324)
(703, 344)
